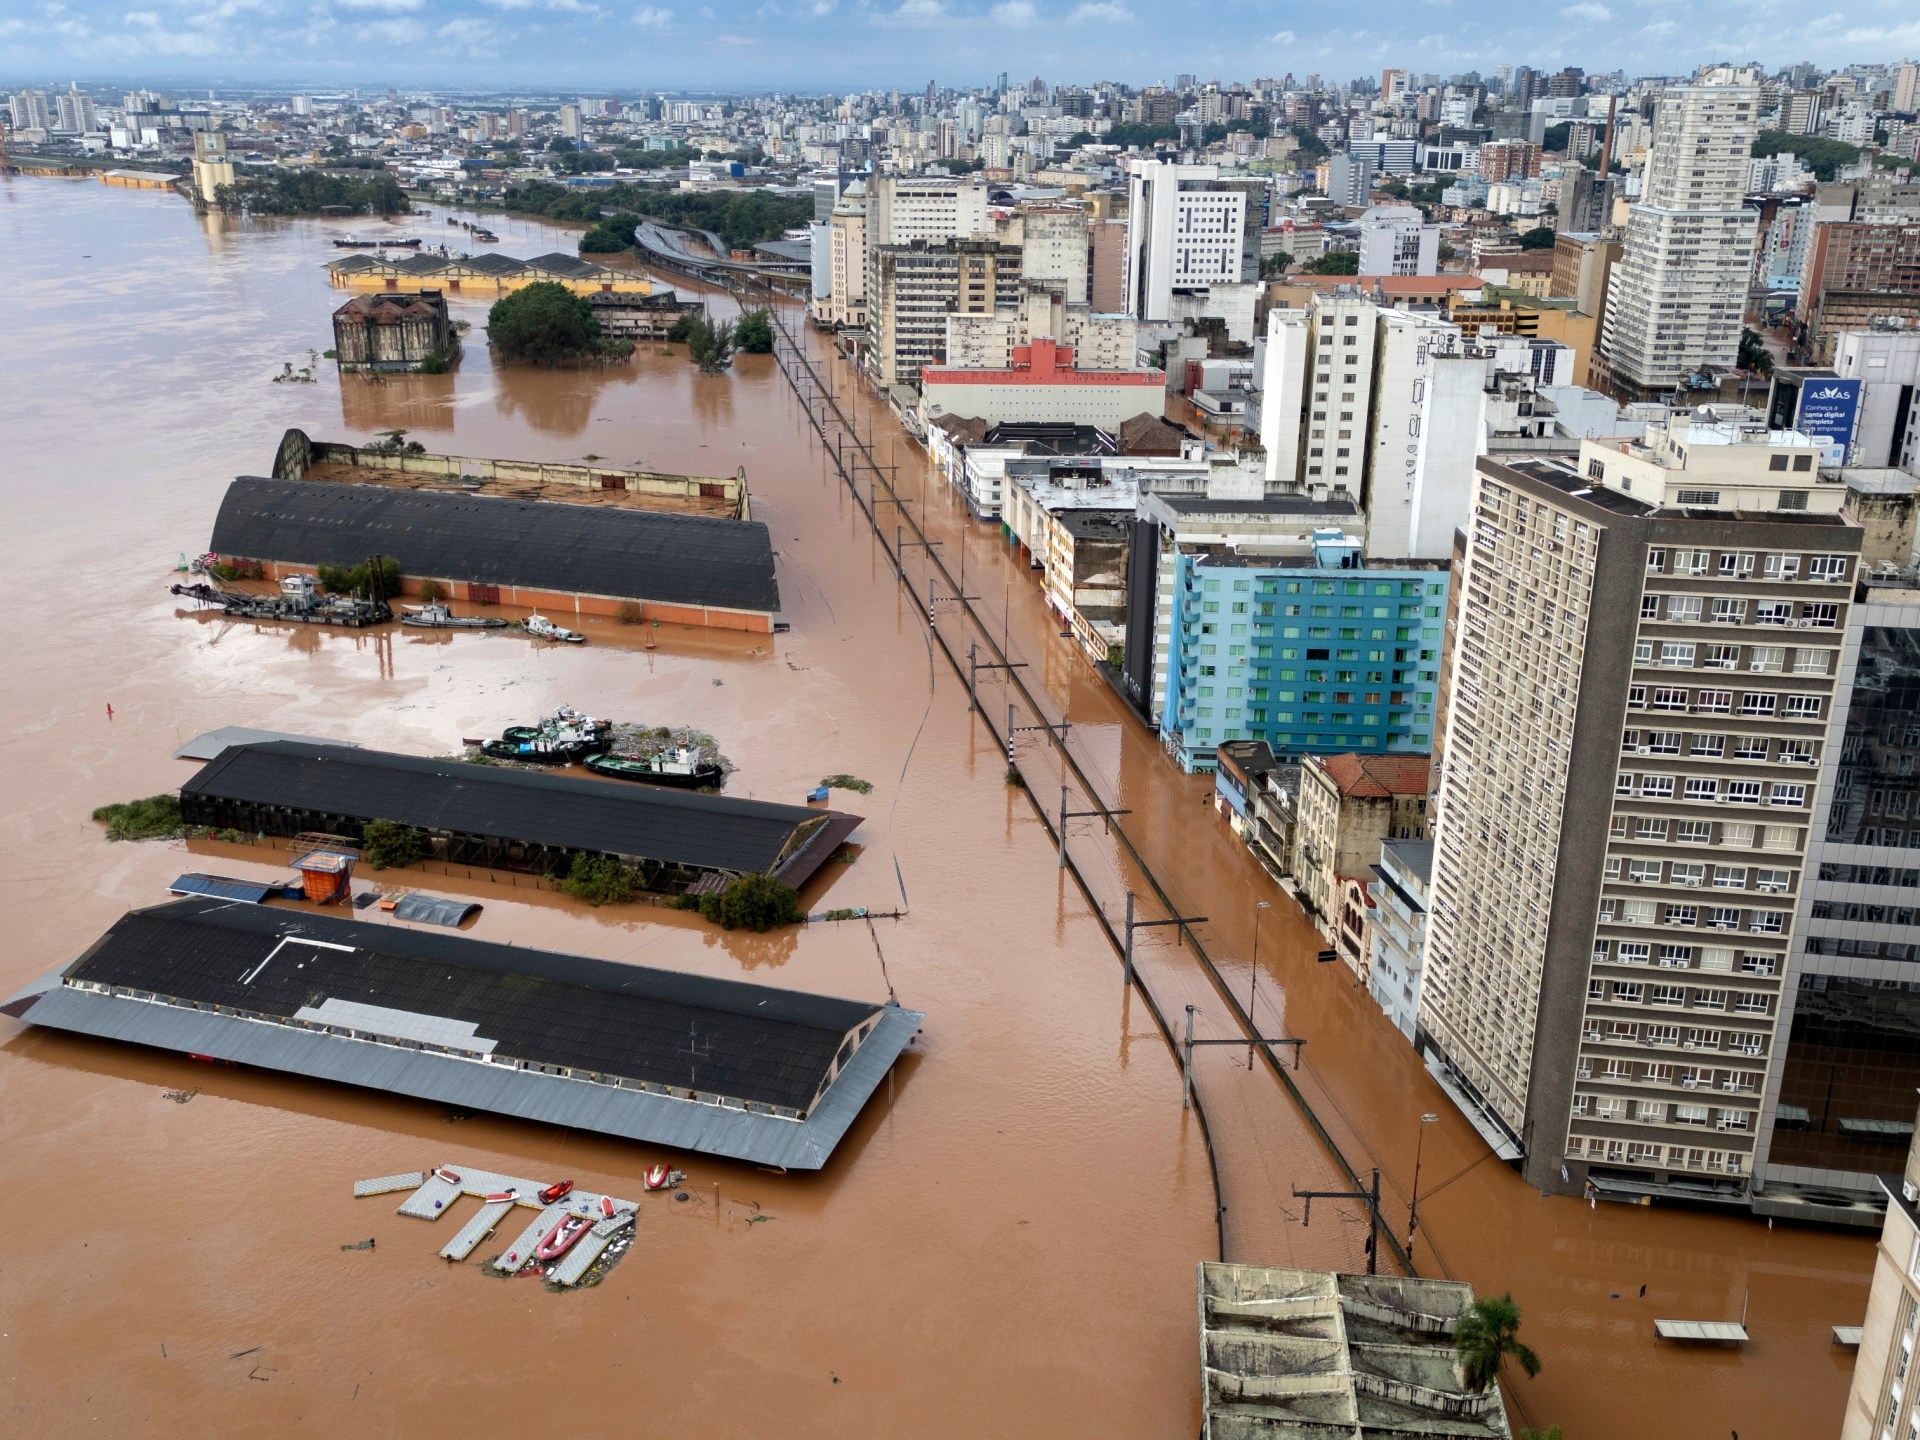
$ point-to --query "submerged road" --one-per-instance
(1360, 1088)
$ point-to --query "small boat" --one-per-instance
(614, 1222)
(658, 1177)
(542, 628)
(817, 794)
(682, 769)
(555, 1192)
(486, 237)
(501, 1197)
(452, 1177)
(546, 750)
(606, 1205)
(438, 617)
(563, 1237)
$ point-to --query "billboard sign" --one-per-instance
(1828, 407)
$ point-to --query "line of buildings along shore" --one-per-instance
(1582, 721)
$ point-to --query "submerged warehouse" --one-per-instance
(717, 1066)
(493, 550)
(510, 819)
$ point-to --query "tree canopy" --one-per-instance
(309, 192)
(742, 218)
(1541, 237)
(753, 335)
(543, 324)
(1335, 262)
(1485, 1337)
(1819, 154)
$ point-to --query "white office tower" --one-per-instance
(1677, 293)
(905, 208)
(1183, 235)
(1397, 240)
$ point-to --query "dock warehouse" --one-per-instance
(584, 560)
(508, 819)
(769, 1076)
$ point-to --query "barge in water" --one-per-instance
(299, 600)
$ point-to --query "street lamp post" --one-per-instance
(1253, 990)
(1413, 1204)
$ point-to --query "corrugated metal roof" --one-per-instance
(495, 540)
(641, 822)
(545, 1008)
(209, 744)
(476, 1085)
(247, 892)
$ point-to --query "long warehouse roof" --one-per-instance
(493, 540)
(716, 1065)
(643, 822)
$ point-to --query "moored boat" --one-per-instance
(437, 616)
(563, 1237)
(452, 1177)
(555, 1192)
(614, 1222)
(541, 628)
(683, 769)
(500, 1197)
(658, 1177)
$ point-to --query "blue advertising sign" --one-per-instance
(1827, 410)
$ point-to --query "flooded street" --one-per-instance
(1005, 1243)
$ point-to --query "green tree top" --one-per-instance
(542, 324)
(1485, 1337)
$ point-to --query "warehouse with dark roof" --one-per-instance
(680, 569)
(527, 820)
(718, 1066)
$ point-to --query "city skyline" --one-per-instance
(838, 44)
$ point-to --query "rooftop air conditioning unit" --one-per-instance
(1726, 924)
(1690, 1045)
(1692, 884)
(1691, 1082)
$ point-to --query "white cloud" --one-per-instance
(737, 40)
(141, 17)
(824, 7)
(914, 12)
(390, 32)
(1016, 14)
(475, 37)
(1283, 37)
(396, 5)
(1107, 10)
(652, 17)
(1588, 10)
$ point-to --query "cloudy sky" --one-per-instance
(832, 44)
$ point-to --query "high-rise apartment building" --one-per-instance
(1397, 240)
(1637, 705)
(845, 301)
(1906, 88)
(1185, 233)
(570, 121)
(913, 288)
(1857, 272)
(1676, 297)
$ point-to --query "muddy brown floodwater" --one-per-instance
(1005, 1243)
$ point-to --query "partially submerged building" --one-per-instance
(486, 275)
(510, 819)
(725, 1068)
(1311, 1355)
(394, 332)
(301, 457)
(630, 315)
(678, 569)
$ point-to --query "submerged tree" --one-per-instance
(753, 335)
(543, 324)
(710, 346)
(1485, 1336)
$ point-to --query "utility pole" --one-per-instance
(1065, 815)
(1370, 1198)
(1413, 1203)
(933, 600)
(1188, 1045)
(901, 545)
(1180, 922)
(1253, 990)
(975, 665)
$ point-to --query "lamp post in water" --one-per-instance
(1253, 990)
(1413, 1204)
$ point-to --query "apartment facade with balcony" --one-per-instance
(1641, 684)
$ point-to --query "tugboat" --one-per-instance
(682, 769)
(542, 628)
(566, 737)
(437, 616)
